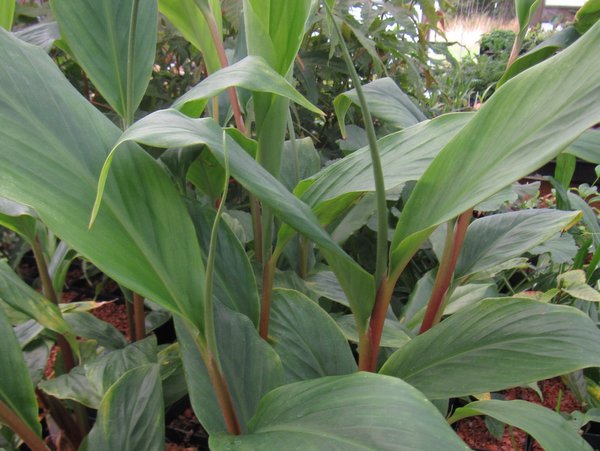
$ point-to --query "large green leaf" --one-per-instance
(131, 414)
(86, 325)
(116, 52)
(21, 297)
(385, 101)
(7, 13)
(587, 15)
(529, 340)
(557, 100)
(251, 368)
(549, 428)
(494, 239)
(52, 146)
(188, 19)
(251, 73)
(308, 341)
(170, 128)
(16, 390)
(355, 412)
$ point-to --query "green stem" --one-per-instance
(14, 422)
(382, 219)
(514, 53)
(454, 241)
(128, 119)
(209, 319)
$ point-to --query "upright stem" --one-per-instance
(369, 343)
(443, 279)
(139, 318)
(14, 422)
(223, 395)
(266, 296)
(382, 219)
(129, 110)
(514, 53)
(50, 294)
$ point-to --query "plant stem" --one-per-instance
(382, 219)
(14, 422)
(266, 296)
(128, 119)
(139, 332)
(454, 241)
(209, 315)
(50, 294)
(370, 341)
(223, 395)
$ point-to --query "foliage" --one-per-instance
(269, 285)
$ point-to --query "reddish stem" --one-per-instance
(443, 278)
(224, 397)
(14, 422)
(369, 343)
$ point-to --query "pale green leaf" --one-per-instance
(251, 73)
(355, 412)
(308, 341)
(385, 101)
(574, 283)
(131, 414)
(548, 428)
(587, 147)
(494, 239)
(529, 340)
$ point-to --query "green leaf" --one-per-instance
(88, 383)
(265, 35)
(587, 146)
(251, 368)
(561, 247)
(355, 412)
(115, 51)
(558, 41)
(251, 73)
(87, 325)
(42, 34)
(587, 16)
(492, 240)
(234, 281)
(170, 128)
(52, 148)
(529, 340)
(525, 10)
(21, 297)
(18, 218)
(16, 390)
(558, 101)
(308, 341)
(36, 355)
(549, 428)
(589, 220)
(385, 100)
(300, 160)
(187, 18)
(7, 13)
(393, 335)
(574, 283)
(131, 414)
